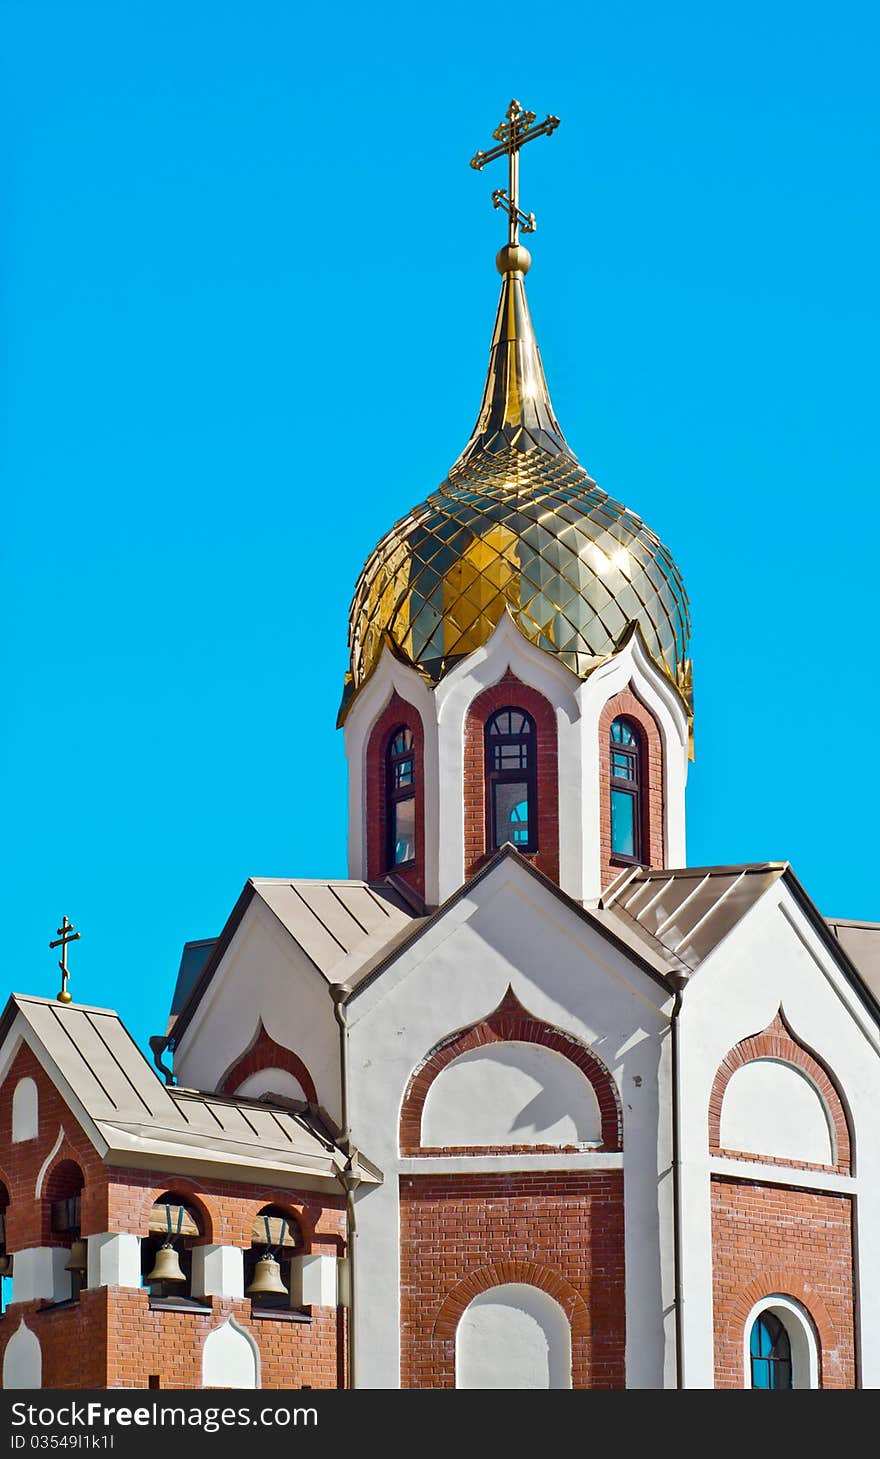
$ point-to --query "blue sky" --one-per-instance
(248, 289)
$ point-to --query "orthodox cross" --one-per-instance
(66, 934)
(511, 135)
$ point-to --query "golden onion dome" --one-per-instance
(517, 526)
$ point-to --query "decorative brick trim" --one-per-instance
(778, 1042)
(511, 691)
(397, 712)
(497, 1274)
(653, 795)
(509, 1022)
(264, 1053)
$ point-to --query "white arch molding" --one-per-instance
(771, 1107)
(513, 1336)
(801, 1334)
(230, 1358)
(511, 1093)
(271, 1081)
(23, 1359)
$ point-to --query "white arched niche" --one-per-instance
(771, 1107)
(25, 1111)
(513, 1336)
(268, 1082)
(230, 1358)
(511, 1094)
(801, 1335)
(23, 1360)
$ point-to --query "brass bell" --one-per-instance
(78, 1259)
(167, 1266)
(267, 1278)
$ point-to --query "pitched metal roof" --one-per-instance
(861, 942)
(340, 926)
(134, 1119)
(683, 914)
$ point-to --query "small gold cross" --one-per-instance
(512, 134)
(66, 934)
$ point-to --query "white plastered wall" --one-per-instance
(774, 957)
(578, 705)
(510, 930)
(263, 975)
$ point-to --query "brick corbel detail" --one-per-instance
(627, 705)
(511, 691)
(498, 1273)
(397, 712)
(778, 1042)
(509, 1023)
(264, 1053)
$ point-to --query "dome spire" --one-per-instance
(516, 409)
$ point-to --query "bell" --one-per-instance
(6, 1265)
(77, 1261)
(267, 1279)
(167, 1266)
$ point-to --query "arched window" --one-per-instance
(63, 1195)
(627, 781)
(277, 1235)
(166, 1252)
(511, 780)
(770, 1352)
(400, 782)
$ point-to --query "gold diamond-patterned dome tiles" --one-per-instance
(517, 525)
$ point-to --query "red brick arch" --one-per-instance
(781, 1282)
(498, 1274)
(206, 1206)
(264, 1053)
(509, 1023)
(511, 691)
(778, 1042)
(396, 713)
(627, 705)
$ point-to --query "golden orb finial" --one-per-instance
(513, 258)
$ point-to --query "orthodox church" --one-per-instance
(525, 1101)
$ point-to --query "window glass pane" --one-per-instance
(623, 766)
(511, 812)
(770, 1351)
(621, 733)
(404, 812)
(402, 742)
(510, 757)
(623, 823)
(403, 773)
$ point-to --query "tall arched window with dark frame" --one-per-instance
(627, 792)
(400, 799)
(511, 780)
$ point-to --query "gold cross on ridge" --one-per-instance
(66, 934)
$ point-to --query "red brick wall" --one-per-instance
(110, 1337)
(653, 792)
(511, 691)
(781, 1240)
(463, 1233)
(397, 712)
